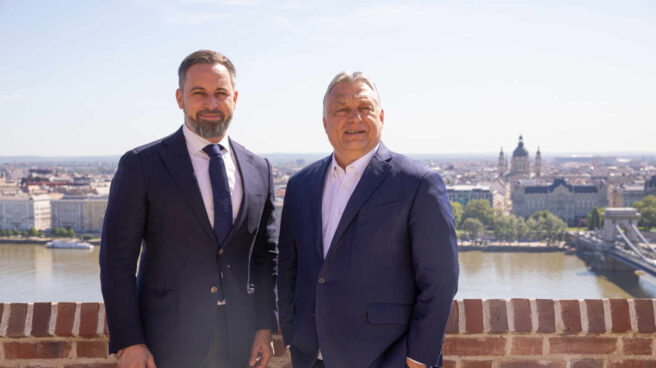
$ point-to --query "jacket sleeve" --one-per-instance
(264, 263)
(122, 234)
(287, 269)
(435, 261)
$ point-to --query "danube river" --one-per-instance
(32, 273)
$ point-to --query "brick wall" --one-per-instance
(603, 333)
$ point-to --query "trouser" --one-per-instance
(318, 364)
(217, 355)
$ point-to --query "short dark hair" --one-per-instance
(206, 57)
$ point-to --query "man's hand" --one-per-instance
(412, 364)
(262, 349)
(135, 356)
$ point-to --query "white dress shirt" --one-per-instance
(338, 186)
(201, 163)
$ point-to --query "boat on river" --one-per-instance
(68, 244)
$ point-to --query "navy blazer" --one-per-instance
(386, 286)
(155, 207)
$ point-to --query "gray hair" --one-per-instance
(350, 77)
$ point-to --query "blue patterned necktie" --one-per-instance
(222, 200)
(221, 193)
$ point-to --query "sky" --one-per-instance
(86, 78)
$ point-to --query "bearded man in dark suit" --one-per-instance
(197, 208)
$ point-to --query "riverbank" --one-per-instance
(39, 241)
(525, 247)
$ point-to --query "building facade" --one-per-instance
(569, 202)
(80, 213)
(23, 212)
(465, 193)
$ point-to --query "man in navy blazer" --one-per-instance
(368, 262)
(197, 300)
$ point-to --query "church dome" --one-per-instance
(520, 151)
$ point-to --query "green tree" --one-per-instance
(522, 229)
(456, 208)
(41, 234)
(546, 226)
(647, 209)
(473, 227)
(505, 228)
(479, 209)
(3, 232)
(16, 232)
(32, 232)
(70, 233)
(594, 219)
(55, 232)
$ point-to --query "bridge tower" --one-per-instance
(627, 220)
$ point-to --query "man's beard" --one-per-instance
(209, 129)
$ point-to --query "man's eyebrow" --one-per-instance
(197, 88)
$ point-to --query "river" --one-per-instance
(32, 273)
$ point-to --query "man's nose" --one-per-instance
(212, 102)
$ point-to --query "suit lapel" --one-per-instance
(373, 175)
(175, 155)
(316, 201)
(248, 173)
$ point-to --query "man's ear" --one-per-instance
(235, 97)
(178, 97)
(382, 116)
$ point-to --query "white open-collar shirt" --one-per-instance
(338, 187)
(201, 163)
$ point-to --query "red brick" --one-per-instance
(37, 350)
(452, 323)
(645, 315)
(531, 364)
(92, 349)
(460, 346)
(89, 319)
(498, 316)
(106, 328)
(473, 315)
(93, 365)
(633, 363)
(445, 364)
(41, 319)
(571, 315)
(546, 316)
(619, 312)
(527, 345)
(65, 318)
(582, 345)
(476, 364)
(522, 315)
(596, 320)
(588, 363)
(17, 314)
(637, 346)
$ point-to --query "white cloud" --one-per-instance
(12, 97)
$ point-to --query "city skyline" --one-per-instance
(97, 79)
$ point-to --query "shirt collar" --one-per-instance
(358, 165)
(196, 143)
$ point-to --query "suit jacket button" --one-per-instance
(214, 290)
(221, 251)
(322, 280)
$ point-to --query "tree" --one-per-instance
(479, 209)
(70, 233)
(4, 232)
(473, 227)
(522, 229)
(647, 209)
(505, 228)
(546, 226)
(456, 208)
(594, 219)
(32, 232)
(55, 232)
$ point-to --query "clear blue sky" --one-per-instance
(98, 77)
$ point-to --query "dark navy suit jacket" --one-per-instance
(155, 207)
(386, 286)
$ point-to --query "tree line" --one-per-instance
(477, 218)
